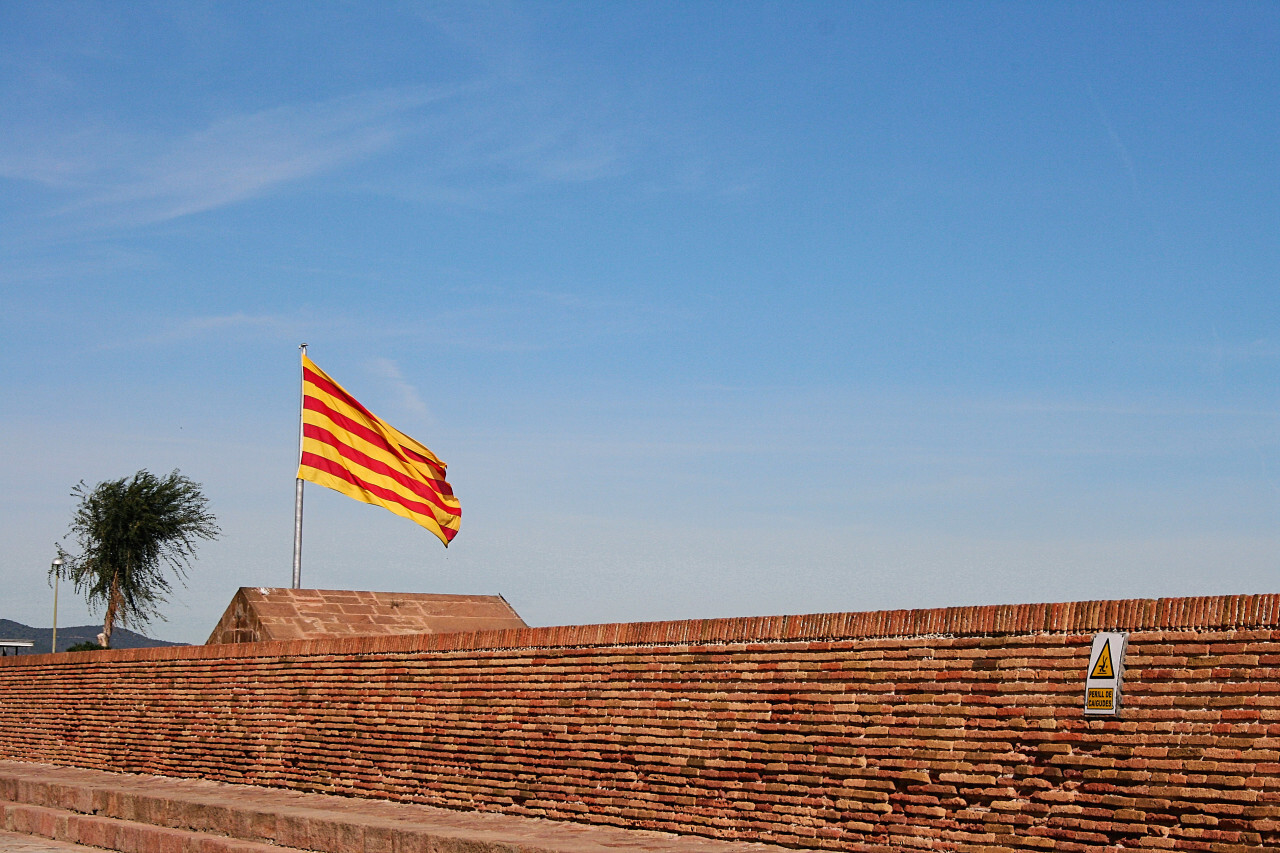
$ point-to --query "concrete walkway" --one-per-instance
(155, 814)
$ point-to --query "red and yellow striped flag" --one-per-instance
(347, 449)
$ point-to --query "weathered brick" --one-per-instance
(853, 737)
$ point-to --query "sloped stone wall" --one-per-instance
(953, 729)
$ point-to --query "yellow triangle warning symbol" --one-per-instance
(1103, 668)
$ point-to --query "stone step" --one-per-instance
(125, 836)
(14, 842)
(158, 814)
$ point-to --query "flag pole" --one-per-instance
(297, 497)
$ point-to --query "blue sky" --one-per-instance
(713, 309)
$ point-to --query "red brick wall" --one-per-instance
(956, 729)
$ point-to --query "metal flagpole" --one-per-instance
(57, 581)
(297, 499)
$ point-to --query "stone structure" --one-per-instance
(260, 614)
(952, 729)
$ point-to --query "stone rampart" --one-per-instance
(949, 729)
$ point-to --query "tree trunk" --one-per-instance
(113, 606)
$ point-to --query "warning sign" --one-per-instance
(1102, 678)
(1101, 698)
(1103, 668)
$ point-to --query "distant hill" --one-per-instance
(121, 638)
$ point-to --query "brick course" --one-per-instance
(947, 729)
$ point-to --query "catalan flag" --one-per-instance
(347, 449)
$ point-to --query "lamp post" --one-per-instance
(57, 578)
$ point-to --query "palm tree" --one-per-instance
(130, 531)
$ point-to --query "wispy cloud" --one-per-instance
(478, 328)
(1122, 150)
(407, 393)
(239, 324)
(1223, 355)
(473, 144)
(508, 140)
(72, 262)
(122, 179)
(517, 126)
